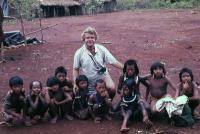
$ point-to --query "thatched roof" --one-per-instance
(59, 2)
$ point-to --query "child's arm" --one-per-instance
(44, 96)
(196, 93)
(91, 105)
(33, 104)
(173, 87)
(67, 99)
(145, 82)
(119, 88)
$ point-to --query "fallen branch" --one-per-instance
(41, 29)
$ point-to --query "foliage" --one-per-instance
(28, 8)
(133, 4)
(93, 5)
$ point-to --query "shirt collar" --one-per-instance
(95, 49)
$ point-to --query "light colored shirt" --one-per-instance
(86, 65)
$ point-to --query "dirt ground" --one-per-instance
(172, 36)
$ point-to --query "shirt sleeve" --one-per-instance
(7, 102)
(77, 62)
(108, 57)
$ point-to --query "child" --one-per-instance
(80, 104)
(36, 103)
(58, 100)
(157, 83)
(99, 102)
(131, 105)
(131, 70)
(64, 82)
(14, 102)
(188, 87)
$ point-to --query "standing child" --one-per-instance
(99, 102)
(14, 102)
(36, 103)
(131, 105)
(131, 71)
(80, 104)
(158, 82)
(58, 100)
(189, 88)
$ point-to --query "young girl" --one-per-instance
(36, 103)
(80, 103)
(189, 88)
(131, 70)
(131, 105)
(157, 83)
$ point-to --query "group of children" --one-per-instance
(59, 100)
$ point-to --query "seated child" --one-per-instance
(157, 83)
(58, 101)
(14, 102)
(36, 103)
(99, 102)
(189, 88)
(80, 104)
(131, 105)
(64, 82)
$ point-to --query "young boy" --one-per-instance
(189, 88)
(64, 82)
(58, 101)
(132, 105)
(99, 102)
(14, 102)
(157, 83)
(80, 104)
(36, 103)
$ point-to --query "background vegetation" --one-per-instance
(30, 8)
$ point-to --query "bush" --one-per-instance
(134, 4)
(29, 8)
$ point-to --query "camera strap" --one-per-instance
(97, 65)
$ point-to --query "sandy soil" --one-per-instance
(172, 36)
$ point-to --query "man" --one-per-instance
(91, 60)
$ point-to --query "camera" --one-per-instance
(102, 71)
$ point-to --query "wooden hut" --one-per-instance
(53, 8)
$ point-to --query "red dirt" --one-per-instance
(145, 35)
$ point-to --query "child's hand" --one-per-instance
(95, 106)
(185, 85)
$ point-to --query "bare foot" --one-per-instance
(124, 129)
(148, 124)
(107, 117)
(97, 120)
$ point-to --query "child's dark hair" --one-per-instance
(31, 85)
(99, 81)
(156, 65)
(185, 70)
(130, 83)
(60, 69)
(52, 81)
(81, 78)
(15, 80)
(131, 62)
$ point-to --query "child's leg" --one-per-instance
(54, 112)
(65, 110)
(193, 104)
(125, 120)
(110, 85)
